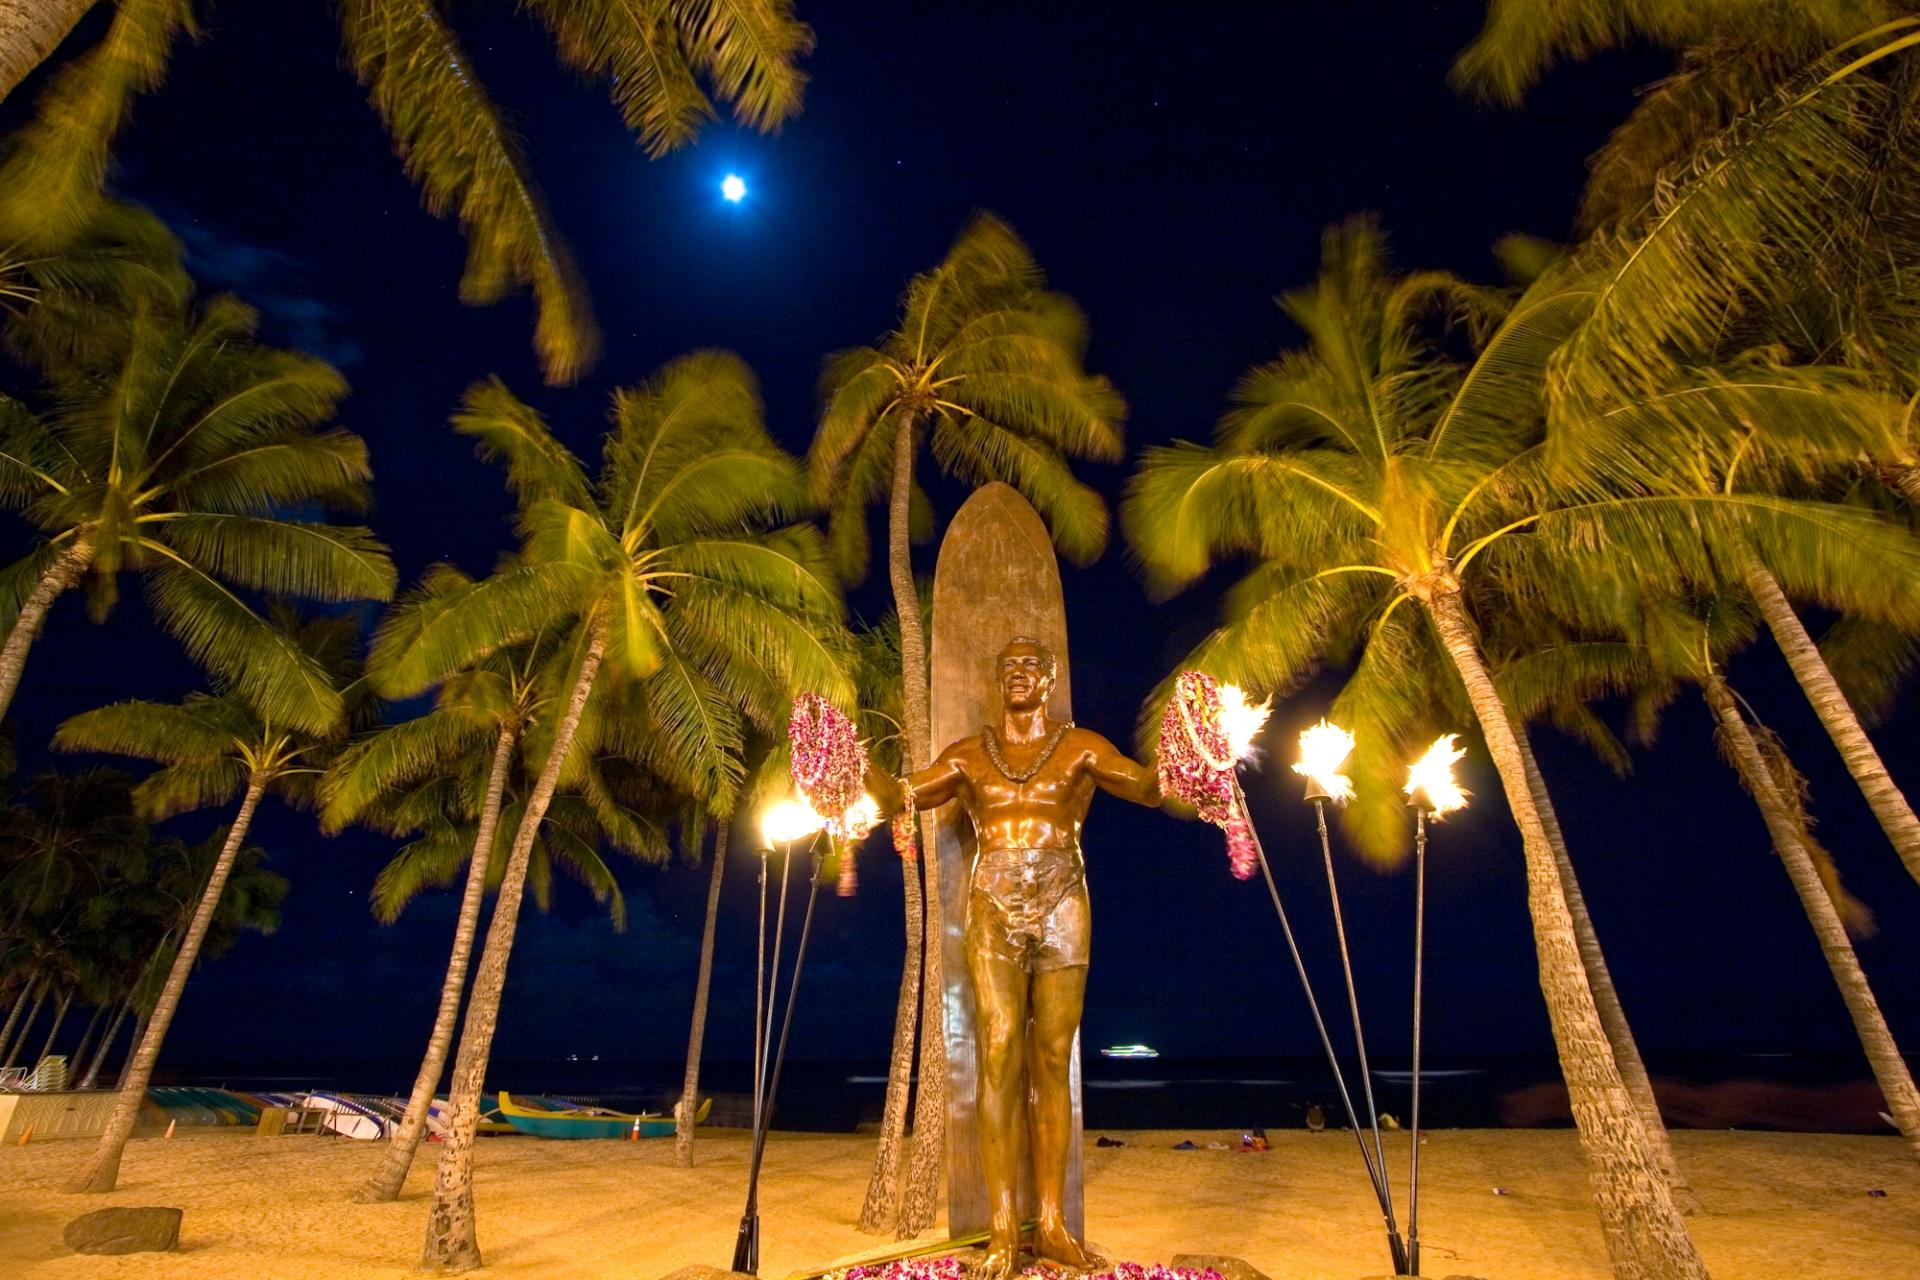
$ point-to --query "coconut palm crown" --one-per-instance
(200, 459)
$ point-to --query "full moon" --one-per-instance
(733, 188)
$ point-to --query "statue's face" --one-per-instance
(1026, 676)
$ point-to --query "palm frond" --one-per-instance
(538, 466)
(198, 731)
(393, 756)
(264, 664)
(449, 135)
(748, 49)
(50, 182)
(285, 557)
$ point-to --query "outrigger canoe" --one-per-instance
(588, 1122)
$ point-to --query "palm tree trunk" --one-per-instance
(61, 574)
(103, 1169)
(920, 1201)
(86, 1039)
(1888, 802)
(30, 30)
(59, 1016)
(105, 1046)
(1889, 1068)
(1613, 1017)
(880, 1210)
(451, 1243)
(391, 1176)
(126, 1067)
(1646, 1235)
(13, 1019)
(33, 1011)
(697, 1034)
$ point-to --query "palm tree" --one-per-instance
(670, 577)
(665, 63)
(1658, 645)
(985, 368)
(184, 455)
(448, 779)
(1768, 180)
(1368, 471)
(213, 749)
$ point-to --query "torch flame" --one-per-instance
(1241, 721)
(862, 816)
(1323, 749)
(789, 820)
(1430, 778)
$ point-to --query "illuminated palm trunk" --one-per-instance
(697, 1034)
(919, 1203)
(1889, 1067)
(1646, 1236)
(452, 1244)
(387, 1181)
(880, 1210)
(1606, 1000)
(60, 575)
(1888, 802)
(30, 30)
(102, 1170)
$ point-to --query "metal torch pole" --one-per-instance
(746, 1247)
(1353, 1004)
(1374, 1174)
(760, 986)
(1419, 951)
(746, 1251)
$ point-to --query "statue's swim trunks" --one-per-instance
(1028, 907)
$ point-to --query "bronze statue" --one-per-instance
(1026, 784)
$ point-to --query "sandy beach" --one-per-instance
(1779, 1205)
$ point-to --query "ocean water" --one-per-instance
(1761, 1091)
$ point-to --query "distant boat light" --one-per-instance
(1129, 1051)
(733, 188)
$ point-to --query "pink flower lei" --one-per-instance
(829, 764)
(1196, 764)
(953, 1268)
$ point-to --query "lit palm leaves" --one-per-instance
(191, 454)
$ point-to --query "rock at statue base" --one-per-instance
(124, 1231)
(700, 1272)
(1229, 1268)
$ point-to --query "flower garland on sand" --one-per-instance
(1196, 764)
(953, 1268)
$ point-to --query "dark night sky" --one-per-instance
(1172, 170)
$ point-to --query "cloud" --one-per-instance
(279, 284)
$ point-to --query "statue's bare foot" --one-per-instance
(1054, 1244)
(1000, 1260)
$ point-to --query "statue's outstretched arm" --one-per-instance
(1120, 775)
(932, 787)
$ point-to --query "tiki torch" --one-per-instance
(1324, 748)
(1430, 789)
(1206, 731)
(784, 824)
